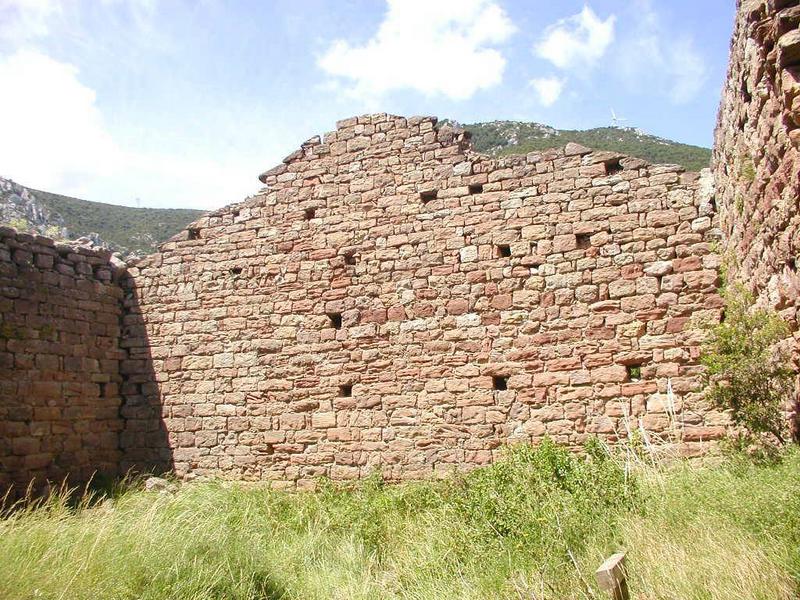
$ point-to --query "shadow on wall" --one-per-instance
(60, 397)
(144, 441)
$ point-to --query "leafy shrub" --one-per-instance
(746, 372)
(18, 224)
(739, 204)
(514, 500)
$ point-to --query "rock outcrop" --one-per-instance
(19, 208)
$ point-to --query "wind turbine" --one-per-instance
(615, 119)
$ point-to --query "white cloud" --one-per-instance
(56, 139)
(688, 70)
(653, 59)
(54, 134)
(548, 88)
(578, 41)
(22, 20)
(441, 47)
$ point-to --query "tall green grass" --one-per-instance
(534, 525)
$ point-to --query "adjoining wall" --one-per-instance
(757, 154)
(59, 362)
(757, 151)
(394, 301)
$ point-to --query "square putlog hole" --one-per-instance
(345, 391)
(476, 188)
(503, 250)
(194, 233)
(428, 196)
(613, 167)
(335, 319)
(583, 240)
(500, 383)
(310, 213)
(349, 259)
(634, 372)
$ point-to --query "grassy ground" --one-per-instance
(533, 526)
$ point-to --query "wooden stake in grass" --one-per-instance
(611, 576)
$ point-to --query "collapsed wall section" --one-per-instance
(60, 312)
(394, 301)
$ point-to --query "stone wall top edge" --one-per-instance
(569, 149)
(388, 121)
(25, 240)
(392, 121)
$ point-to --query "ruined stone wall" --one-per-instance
(394, 301)
(757, 158)
(60, 317)
(757, 151)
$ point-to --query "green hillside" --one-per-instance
(127, 229)
(512, 137)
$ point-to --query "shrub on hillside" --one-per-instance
(747, 371)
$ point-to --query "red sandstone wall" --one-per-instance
(757, 151)
(59, 356)
(757, 154)
(230, 341)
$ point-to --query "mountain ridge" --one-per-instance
(123, 229)
(139, 231)
(499, 138)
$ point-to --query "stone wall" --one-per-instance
(757, 154)
(392, 300)
(60, 316)
(757, 150)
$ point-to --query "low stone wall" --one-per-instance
(395, 301)
(757, 155)
(60, 314)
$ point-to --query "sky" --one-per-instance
(179, 103)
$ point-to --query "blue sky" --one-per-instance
(182, 104)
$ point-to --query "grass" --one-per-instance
(534, 525)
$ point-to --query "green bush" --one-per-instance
(18, 224)
(746, 372)
(747, 170)
(500, 501)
